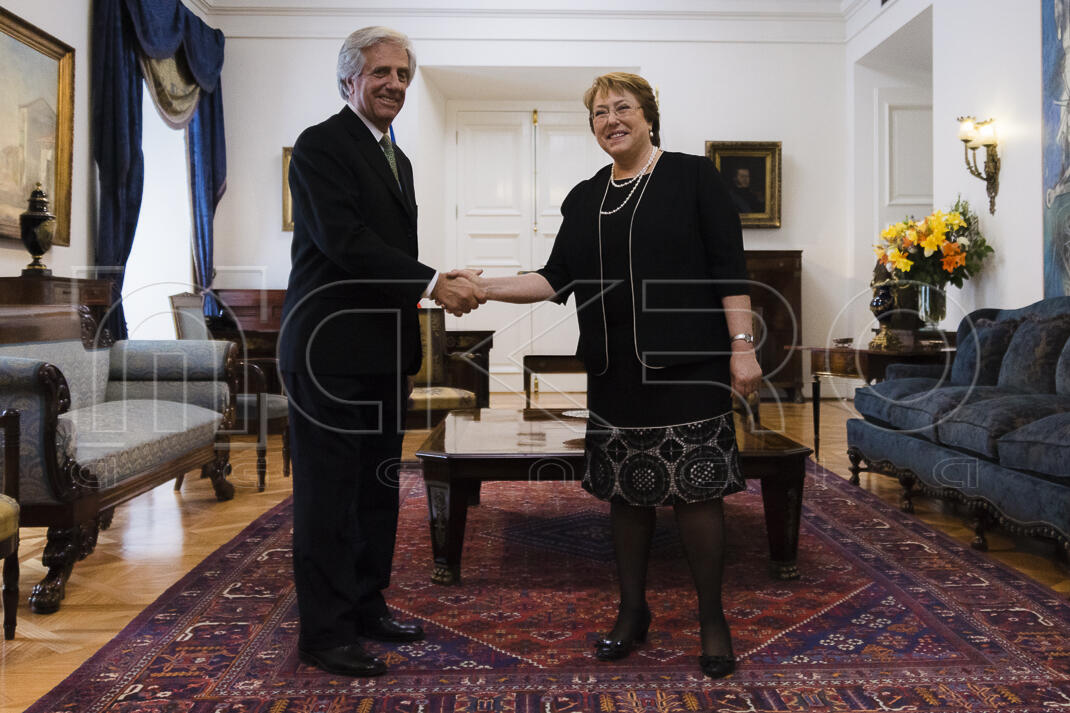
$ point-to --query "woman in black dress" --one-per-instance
(651, 246)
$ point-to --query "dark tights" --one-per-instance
(702, 532)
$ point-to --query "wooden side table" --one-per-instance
(549, 364)
(866, 364)
(49, 290)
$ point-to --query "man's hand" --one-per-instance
(458, 292)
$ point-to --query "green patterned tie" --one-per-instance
(388, 149)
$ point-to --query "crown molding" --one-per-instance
(848, 8)
(701, 21)
(201, 7)
(771, 10)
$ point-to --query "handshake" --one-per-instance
(460, 291)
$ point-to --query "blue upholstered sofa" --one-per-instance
(993, 431)
(103, 423)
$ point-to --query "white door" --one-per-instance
(514, 168)
(904, 161)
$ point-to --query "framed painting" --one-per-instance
(36, 125)
(752, 171)
(1055, 149)
(287, 205)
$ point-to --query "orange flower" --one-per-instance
(954, 256)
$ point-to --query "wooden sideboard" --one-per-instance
(49, 290)
(779, 307)
(256, 310)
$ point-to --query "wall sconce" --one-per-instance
(975, 134)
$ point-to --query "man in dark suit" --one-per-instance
(349, 337)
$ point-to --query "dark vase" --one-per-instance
(883, 303)
(37, 227)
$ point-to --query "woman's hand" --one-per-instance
(746, 374)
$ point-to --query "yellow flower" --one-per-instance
(955, 221)
(900, 260)
(936, 235)
(893, 231)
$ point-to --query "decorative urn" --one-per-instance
(37, 227)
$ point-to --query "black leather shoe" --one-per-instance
(717, 666)
(349, 660)
(611, 650)
(387, 628)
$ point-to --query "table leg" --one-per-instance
(816, 394)
(447, 501)
(782, 501)
(527, 387)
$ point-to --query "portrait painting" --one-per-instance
(1055, 41)
(36, 124)
(752, 171)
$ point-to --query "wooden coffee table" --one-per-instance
(537, 445)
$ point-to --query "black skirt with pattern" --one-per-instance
(668, 465)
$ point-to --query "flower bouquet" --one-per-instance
(939, 249)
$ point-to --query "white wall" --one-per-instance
(973, 74)
(760, 83)
(70, 23)
(1005, 85)
(757, 72)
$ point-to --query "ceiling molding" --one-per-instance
(201, 7)
(702, 21)
(848, 8)
(462, 13)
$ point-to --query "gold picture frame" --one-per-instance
(37, 77)
(287, 203)
(752, 171)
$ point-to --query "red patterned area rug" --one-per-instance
(889, 615)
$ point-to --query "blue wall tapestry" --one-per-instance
(1056, 111)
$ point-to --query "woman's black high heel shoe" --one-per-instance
(611, 650)
(717, 666)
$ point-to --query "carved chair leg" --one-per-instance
(178, 482)
(261, 464)
(980, 541)
(906, 502)
(286, 451)
(219, 469)
(11, 593)
(855, 457)
(64, 547)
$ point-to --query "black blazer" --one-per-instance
(355, 280)
(687, 254)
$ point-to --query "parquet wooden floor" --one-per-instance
(158, 537)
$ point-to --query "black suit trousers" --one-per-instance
(346, 434)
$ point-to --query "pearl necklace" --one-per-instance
(634, 182)
(629, 181)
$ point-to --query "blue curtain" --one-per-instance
(159, 28)
(208, 181)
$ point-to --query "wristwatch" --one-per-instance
(748, 338)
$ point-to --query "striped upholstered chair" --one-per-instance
(433, 395)
(258, 412)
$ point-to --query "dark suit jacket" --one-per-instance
(355, 280)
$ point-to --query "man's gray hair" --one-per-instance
(351, 56)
